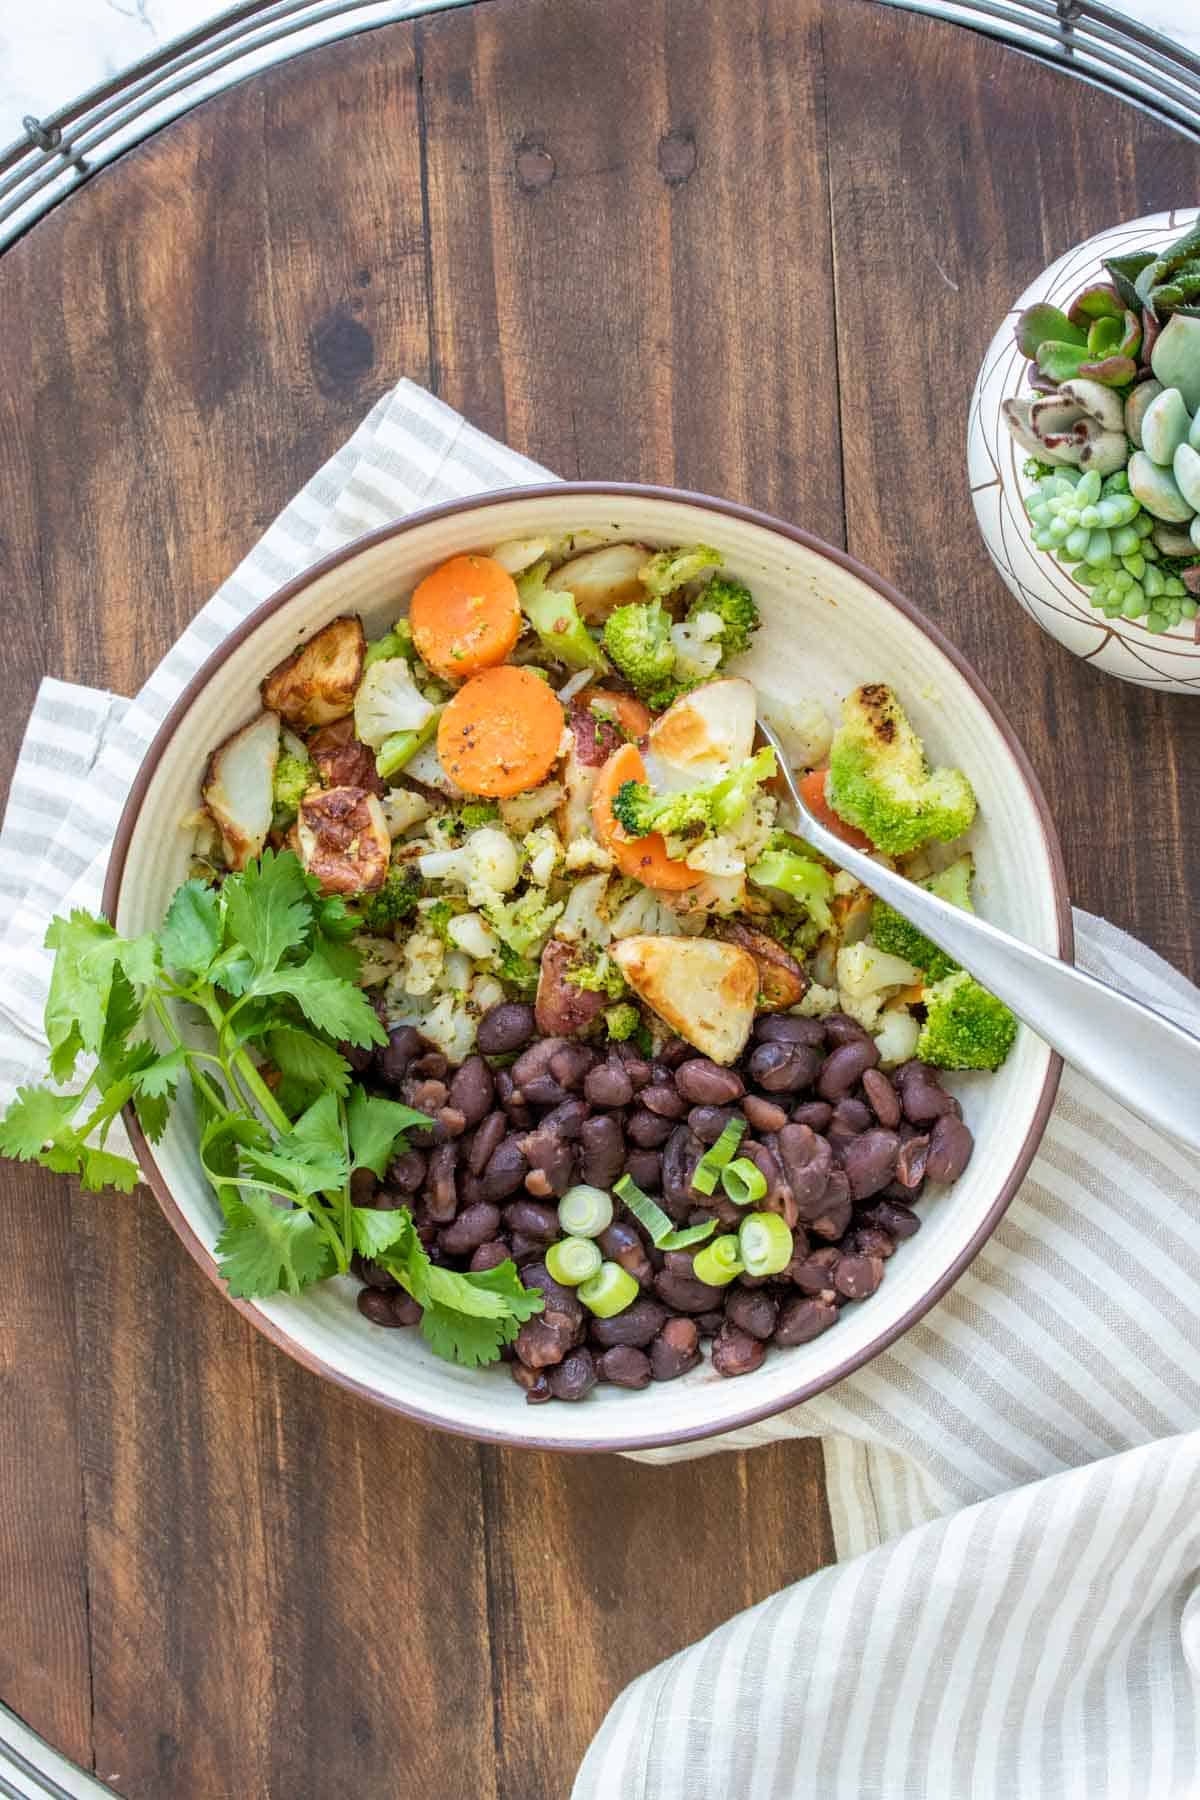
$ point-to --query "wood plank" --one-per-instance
(941, 214)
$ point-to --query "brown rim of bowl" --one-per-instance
(667, 496)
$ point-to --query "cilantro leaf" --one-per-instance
(333, 917)
(468, 1317)
(375, 1233)
(101, 1169)
(268, 907)
(309, 1065)
(154, 1084)
(375, 1125)
(312, 1155)
(505, 1279)
(446, 1287)
(87, 954)
(35, 1117)
(458, 1338)
(191, 932)
(339, 958)
(327, 1001)
(162, 1075)
(266, 1248)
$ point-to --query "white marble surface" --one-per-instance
(53, 50)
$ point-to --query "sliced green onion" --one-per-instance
(573, 1260)
(744, 1181)
(765, 1243)
(402, 746)
(609, 1291)
(585, 1211)
(716, 1156)
(650, 1214)
(718, 1262)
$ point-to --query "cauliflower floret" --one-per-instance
(522, 812)
(426, 767)
(643, 914)
(844, 883)
(896, 1036)
(469, 931)
(717, 896)
(584, 919)
(712, 856)
(697, 646)
(804, 727)
(381, 957)
(818, 1002)
(585, 853)
(486, 992)
(388, 700)
(451, 1024)
(544, 849)
(424, 957)
(867, 977)
(487, 864)
(402, 808)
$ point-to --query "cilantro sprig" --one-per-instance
(265, 960)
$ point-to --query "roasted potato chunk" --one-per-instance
(705, 990)
(781, 980)
(343, 760)
(237, 788)
(344, 840)
(601, 580)
(705, 733)
(315, 684)
(562, 1009)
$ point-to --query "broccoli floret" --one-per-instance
(394, 902)
(965, 1026)
(880, 781)
(476, 813)
(621, 1021)
(638, 638)
(555, 617)
(396, 642)
(436, 918)
(893, 933)
(517, 971)
(294, 775)
(734, 605)
(599, 976)
(695, 812)
(803, 880)
(670, 569)
(525, 923)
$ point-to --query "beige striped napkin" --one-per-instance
(1013, 1484)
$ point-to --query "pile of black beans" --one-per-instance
(845, 1150)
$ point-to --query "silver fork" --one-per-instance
(1144, 1060)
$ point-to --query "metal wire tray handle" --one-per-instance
(58, 154)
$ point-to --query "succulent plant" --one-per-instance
(1099, 338)
(1175, 358)
(1100, 532)
(1081, 424)
(1163, 284)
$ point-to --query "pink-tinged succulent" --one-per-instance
(1082, 423)
(1099, 338)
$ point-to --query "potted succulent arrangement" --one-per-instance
(1085, 451)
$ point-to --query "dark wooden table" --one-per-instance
(757, 250)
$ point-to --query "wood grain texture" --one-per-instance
(614, 236)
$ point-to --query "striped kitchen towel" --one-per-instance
(1012, 1484)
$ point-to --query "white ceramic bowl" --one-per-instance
(1169, 660)
(829, 624)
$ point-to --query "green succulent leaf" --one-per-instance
(1039, 323)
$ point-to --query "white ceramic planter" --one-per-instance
(1122, 647)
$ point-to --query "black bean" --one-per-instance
(487, 1139)
(407, 1171)
(363, 1183)
(536, 1060)
(899, 1220)
(705, 1083)
(512, 1100)
(884, 1100)
(869, 1240)
(602, 1147)
(525, 1250)
(441, 1194)
(764, 1115)
(490, 1255)
(621, 1244)
(950, 1149)
(841, 1029)
(735, 1352)
(636, 1325)
(506, 1170)
(361, 1056)
(533, 1220)
(644, 1167)
(545, 1339)
(709, 1323)
(683, 1151)
(404, 1042)
(551, 1156)
(427, 1096)
(542, 1090)
(624, 1367)
(807, 1161)
(473, 1226)
(450, 1121)
(786, 1028)
(375, 1306)
(637, 1068)
(708, 1122)
(685, 1293)
(372, 1273)
(869, 1161)
(574, 1376)
(663, 1100)
(570, 1064)
(851, 1116)
(473, 1090)
(835, 1208)
(802, 1320)
(568, 1119)
(431, 1065)
(783, 1068)
(505, 1027)
(674, 1051)
(752, 1310)
(389, 1199)
(815, 1274)
(557, 1297)
(534, 1381)
(608, 1084)
(405, 1310)
(922, 1095)
(816, 1114)
(858, 1276)
(844, 1067)
(675, 1350)
(912, 1160)
(647, 1130)
(778, 1197)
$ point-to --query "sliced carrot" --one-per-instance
(812, 787)
(465, 616)
(645, 858)
(633, 718)
(499, 735)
